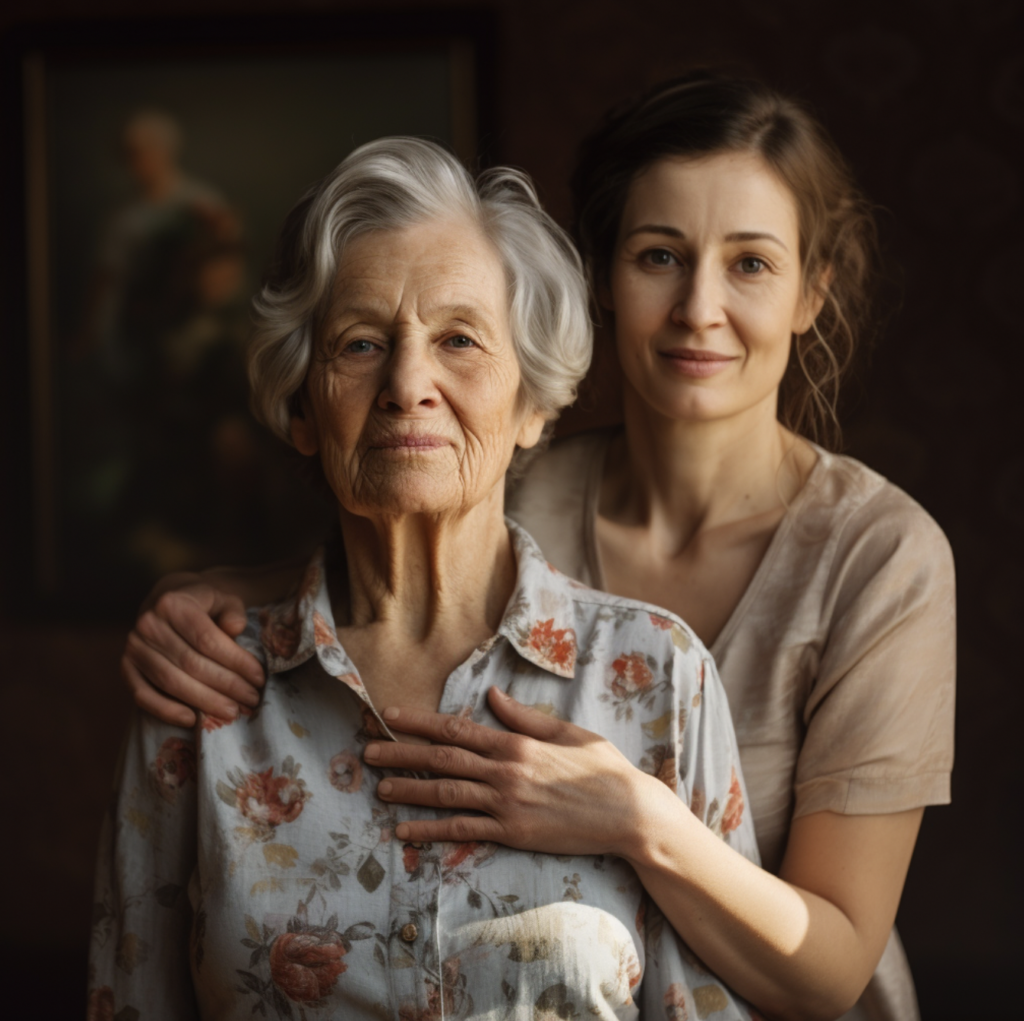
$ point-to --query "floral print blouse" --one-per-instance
(250, 870)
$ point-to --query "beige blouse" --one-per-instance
(839, 660)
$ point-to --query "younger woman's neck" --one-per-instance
(685, 477)
(428, 577)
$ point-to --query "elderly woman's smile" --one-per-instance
(413, 397)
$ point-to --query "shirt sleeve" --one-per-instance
(709, 760)
(139, 960)
(879, 719)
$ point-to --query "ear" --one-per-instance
(812, 301)
(303, 429)
(530, 430)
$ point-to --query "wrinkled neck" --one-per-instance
(427, 574)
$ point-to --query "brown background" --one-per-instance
(927, 100)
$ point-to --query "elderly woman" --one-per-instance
(730, 251)
(416, 331)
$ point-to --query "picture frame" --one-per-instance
(139, 457)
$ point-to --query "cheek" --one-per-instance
(340, 410)
(765, 324)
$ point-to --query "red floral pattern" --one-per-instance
(411, 857)
(269, 800)
(675, 1003)
(323, 633)
(281, 631)
(632, 675)
(289, 855)
(556, 646)
(305, 965)
(345, 773)
(101, 1005)
(733, 814)
(174, 766)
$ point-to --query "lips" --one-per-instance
(695, 362)
(412, 442)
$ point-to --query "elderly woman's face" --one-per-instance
(412, 394)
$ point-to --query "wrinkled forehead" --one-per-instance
(426, 272)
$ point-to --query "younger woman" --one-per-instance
(730, 252)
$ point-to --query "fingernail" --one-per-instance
(384, 788)
(391, 713)
(401, 831)
(372, 751)
(251, 698)
(232, 712)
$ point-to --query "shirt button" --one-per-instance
(409, 932)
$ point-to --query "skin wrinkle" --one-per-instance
(416, 343)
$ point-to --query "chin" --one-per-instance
(693, 407)
(405, 499)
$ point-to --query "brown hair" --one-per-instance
(703, 113)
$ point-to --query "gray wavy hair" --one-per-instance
(391, 184)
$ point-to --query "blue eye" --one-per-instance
(751, 265)
(361, 347)
(461, 342)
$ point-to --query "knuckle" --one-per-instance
(461, 830)
(166, 604)
(206, 641)
(191, 662)
(147, 626)
(449, 793)
(515, 747)
(454, 727)
(441, 759)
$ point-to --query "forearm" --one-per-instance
(789, 952)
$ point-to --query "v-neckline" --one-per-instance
(592, 494)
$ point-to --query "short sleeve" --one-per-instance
(139, 961)
(879, 718)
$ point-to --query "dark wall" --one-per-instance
(926, 98)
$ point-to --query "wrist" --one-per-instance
(655, 822)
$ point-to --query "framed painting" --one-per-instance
(160, 159)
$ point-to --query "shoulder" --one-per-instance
(878, 542)
(562, 468)
(553, 500)
(874, 521)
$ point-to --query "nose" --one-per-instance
(700, 303)
(410, 382)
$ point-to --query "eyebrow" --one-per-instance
(674, 232)
(469, 314)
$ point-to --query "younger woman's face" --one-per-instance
(706, 287)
